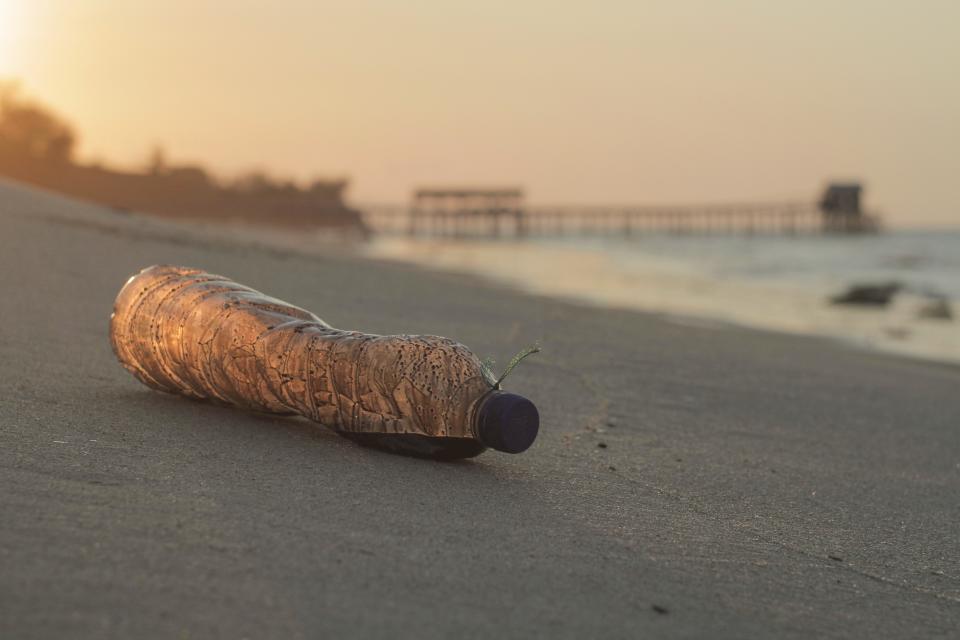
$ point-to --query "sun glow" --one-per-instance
(10, 17)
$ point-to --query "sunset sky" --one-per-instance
(588, 102)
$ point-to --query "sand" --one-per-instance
(689, 480)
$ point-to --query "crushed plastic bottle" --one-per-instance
(188, 332)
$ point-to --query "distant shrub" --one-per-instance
(29, 128)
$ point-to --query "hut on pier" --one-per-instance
(467, 211)
(841, 208)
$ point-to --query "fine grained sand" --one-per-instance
(688, 480)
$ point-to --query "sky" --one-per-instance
(601, 102)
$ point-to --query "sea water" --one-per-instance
(782, 283)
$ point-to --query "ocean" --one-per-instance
(779, 283)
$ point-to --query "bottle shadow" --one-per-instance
(211, 424)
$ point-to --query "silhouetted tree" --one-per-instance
(31, 129)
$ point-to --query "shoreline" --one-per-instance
(329, 243)
(681, 293)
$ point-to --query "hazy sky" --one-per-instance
(595, 102)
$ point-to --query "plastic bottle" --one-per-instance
(188, 332)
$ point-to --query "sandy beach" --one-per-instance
(689, 480)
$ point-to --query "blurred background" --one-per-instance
(788, 165)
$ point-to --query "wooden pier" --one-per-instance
(493, 213)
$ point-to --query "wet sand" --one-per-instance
(689, 480)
